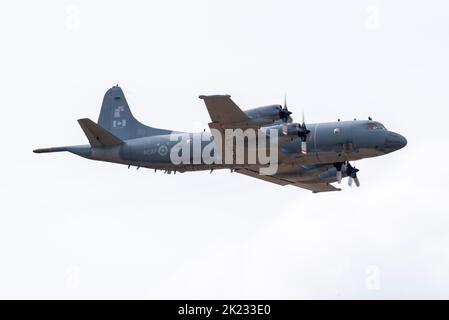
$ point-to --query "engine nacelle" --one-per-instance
(268, 114)
(289, 129)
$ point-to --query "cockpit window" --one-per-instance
(376, 126)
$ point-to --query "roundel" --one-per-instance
(163, 150)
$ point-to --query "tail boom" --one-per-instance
(48, 150)
(81, 150)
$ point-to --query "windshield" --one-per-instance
(376, 126)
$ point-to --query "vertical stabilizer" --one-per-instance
(116, 117)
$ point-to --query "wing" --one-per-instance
(283, 180)
(224, 113)
(255, 174)
(317, 187)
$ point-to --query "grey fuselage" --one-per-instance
(264, 143)
(331, 142)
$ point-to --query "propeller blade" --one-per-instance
(339, 176)
(284, 114)
(350, 181)
(302, 133)
(303, 147)
(285, 129)
(357, 182)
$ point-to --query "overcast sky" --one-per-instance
(73, 228)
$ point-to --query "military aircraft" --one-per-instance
(309, 156)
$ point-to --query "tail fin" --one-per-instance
(97, 136)
(116, 117)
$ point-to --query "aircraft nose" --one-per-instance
(394, 141)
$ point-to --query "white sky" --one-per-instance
(73, 228)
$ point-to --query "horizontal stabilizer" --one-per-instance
(98, 136)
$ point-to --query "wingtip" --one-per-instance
(214, 95)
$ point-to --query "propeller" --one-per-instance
(352, 174)
(339, 166)
(302, 134)
(284, 114)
